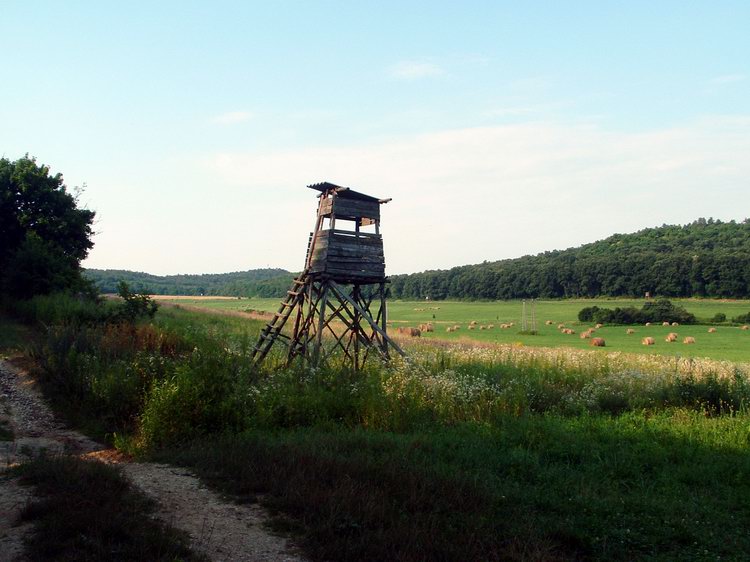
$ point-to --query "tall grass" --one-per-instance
(461, 451)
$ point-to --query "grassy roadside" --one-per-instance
(14, 337)
(87, 511)
(670, 487)
(463, 453)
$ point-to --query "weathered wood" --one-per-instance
(342, 294)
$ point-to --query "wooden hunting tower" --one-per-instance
(342, 282)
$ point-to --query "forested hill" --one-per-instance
(252, 283)
(706, 258)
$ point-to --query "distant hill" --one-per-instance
(252, 283)
(707, 258)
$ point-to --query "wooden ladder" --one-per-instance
(272, 331)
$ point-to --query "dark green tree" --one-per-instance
(43, 234)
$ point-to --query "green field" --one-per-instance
(728, 343)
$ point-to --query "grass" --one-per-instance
(674, 486)
(728, 343)
(14, 337)
(87, 511)
(466, 451)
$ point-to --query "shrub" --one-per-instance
(587, 314)
(134, 305)
(660, 310)
(719, 317)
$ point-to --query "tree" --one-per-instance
(43, 234)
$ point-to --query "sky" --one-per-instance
(500, 129)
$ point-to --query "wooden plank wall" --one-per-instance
(350, 209)
(349, 256)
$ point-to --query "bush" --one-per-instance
(38, 267)
(134, 305)
(742, 318)
(660, 310)
(587, 314)
(59, 308)
(719, 317)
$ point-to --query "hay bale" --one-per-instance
(428, 327)
(482, 328)
(599, 326)
(549, 322)
(688, 339)
(490, 326)
(473, 323)
(449, 329)
(745, 327)
(585, 335)
(472, 326)
(665, 323)
(597, 342)
(561, 326)
(648, 323)
(671, 337)
(648, 341)
(675, 324)
(711, 330)
(630, 331)
(456, 327)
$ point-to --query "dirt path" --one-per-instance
(222, 530)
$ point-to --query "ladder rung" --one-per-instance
(294, 293)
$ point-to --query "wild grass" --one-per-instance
(464, 451)
(87, 511)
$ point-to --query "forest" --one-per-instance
(253, 283)
(706, 258)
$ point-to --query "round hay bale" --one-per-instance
(711, 330)
(597, 342)
(675, 324)
(648, 323)
(745, 327)
(585, 335)
(688, 339)
(630, 331)
(648, 341)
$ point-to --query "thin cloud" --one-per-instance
(727, 79)
(232, 117)
(505, 191)
(413, 70)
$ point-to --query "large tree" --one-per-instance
(43, 234)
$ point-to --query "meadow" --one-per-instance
(465, 451)
(727, 343)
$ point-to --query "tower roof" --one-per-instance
(345, 192)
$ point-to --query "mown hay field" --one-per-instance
(728, 343)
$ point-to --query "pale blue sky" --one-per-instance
(499, 128)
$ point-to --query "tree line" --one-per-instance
(253, 283)
(706, 258)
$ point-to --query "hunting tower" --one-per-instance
(342, 283)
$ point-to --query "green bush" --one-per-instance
(659, 310)
(204, 395)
